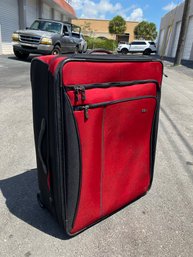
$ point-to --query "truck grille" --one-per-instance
(30, 39)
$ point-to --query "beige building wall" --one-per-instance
(99, 28)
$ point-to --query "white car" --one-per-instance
(83, 44)
(138, 46)
(82, 48)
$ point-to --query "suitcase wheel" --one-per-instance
(40, 201)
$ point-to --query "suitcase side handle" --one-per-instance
(40, 140)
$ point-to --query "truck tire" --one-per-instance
(20, 55)
(124, 51)
(84, 49)
(147, 52)
(77, 50)
(56, 50)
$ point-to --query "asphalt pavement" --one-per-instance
(159, 224)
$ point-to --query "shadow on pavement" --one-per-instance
(178, 132)
(20, 194)
(186, 163)
(29, 59)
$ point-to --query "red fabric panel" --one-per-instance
(76, 72)
(115, 140)
(46, 58)
(54, 64)
(115, 158)
(98, 95)
(126, 176)
(90, 139)
(52, 61)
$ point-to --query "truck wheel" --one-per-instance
(124, 51)
(20, 55)
(147, 52)
(84, 49)
(77, 50)
(56, 50)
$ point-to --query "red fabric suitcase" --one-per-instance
(95, 126)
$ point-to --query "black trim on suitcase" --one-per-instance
(69, 171)
(60, 156)
(40, 86)
(111, 58)
(111, 84)
(154, 133)
(73, 161)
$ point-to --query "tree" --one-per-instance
(117, 25)
(145, 30)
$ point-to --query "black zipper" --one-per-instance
(80, 89)
(85, 108)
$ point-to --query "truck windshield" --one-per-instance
(47, 26)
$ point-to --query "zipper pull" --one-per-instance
(83, 95)
(86, 107)
(76, 92)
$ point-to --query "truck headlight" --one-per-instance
(46, 41)
(15, 37)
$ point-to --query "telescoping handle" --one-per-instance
(40, 140)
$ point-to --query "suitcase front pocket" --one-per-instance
(105, 92)
(115, 140)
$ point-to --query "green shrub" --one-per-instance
(108, 44)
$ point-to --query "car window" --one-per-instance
(65, 30)
(152, 43)
(75, 34)
(35, 25)
(47, 26)
(76, 28)
(138, 43)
